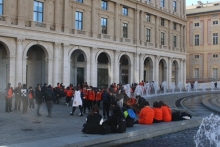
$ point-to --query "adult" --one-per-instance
(158, 117)
(166, 112)
(31, 98)
(39, 99)
(24, 98)
(17, 92)
(49, 97)
(43, 89)
(106, 103)
(93, 122)
(146, 115)
(77, 102)
(8, 98)
(119, 96)
(113, 121)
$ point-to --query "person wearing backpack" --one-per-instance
(117, 121)
(49, 97)
(129, 117)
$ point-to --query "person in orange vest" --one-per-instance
(158, 117)
(91, 97)
(84, 99)
(31, 98)
(69, 95)
(8, 98)
(146, 115)
(166, 112)
(98, 97)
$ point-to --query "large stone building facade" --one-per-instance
(93, 41)
(203, 46)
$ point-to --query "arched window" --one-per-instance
(80, 58)
(103, 59)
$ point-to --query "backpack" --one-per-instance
(176, 115)
(121, 125)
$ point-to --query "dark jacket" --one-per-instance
(39, 96)
(105, 97)
(49, 95)
(113, 120)
(92, 125)
(17, 92)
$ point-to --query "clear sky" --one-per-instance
(194, 2)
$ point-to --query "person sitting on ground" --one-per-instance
(129, 116)
(158, 112)
(112, 121)
(93, 122)
(166, 112)
(146, 115)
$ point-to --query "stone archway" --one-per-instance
(148, 69)
(125, 69)
(4, 67)
(78, 67)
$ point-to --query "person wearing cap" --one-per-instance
(31, 98)
(17, 92)
(49, 97)
(8, 98)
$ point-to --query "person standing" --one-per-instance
(24, 98)
(49, 97)
(31, 98)
(39, 99)
(8, 98)
(106, 103)
(43, 89)
(119, 96)
(17, 92)
(77, 102)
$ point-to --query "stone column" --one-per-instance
(184, 71)
(66, 16)
(66, 65)
(170, 35)
(141, 65)
(156, 69)
(136, 27)
(7, 13)
(24, 70)
(181, 37)
(88, 78)
(94, 19)
(50, 71)
(55, 63)
(93, 65)
(19, 52)
(56, 18)
(184, 38)
(116, 25)
(169, 79)
(157, 31)
(136, 68)
(12, 78)
(20, 13)
(180, 70)
(116, 66)
(142, 29)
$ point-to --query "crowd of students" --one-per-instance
(119, 110)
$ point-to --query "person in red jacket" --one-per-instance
(167, 113)
(8, 98)
(91, 97)
(146, 115)
(69, 95)
(158, 117)
(98, 97)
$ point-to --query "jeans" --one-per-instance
(8, 104)
(38, 109)
(31, 103)
(106, 107)
(17, 103)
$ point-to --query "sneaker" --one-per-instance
(80, 114)
(71, 113)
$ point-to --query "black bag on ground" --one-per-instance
(121, 125)
(105, 129)
(176, 115)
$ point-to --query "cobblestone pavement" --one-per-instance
(179, 139)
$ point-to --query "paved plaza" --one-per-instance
(64, 130)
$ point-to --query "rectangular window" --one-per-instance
(196, 56)
(162, 3)
(174, 41)
(215, 55)
(215, 38)
(215, 73)
(174, 26)
(196, 24)
(148, 17)
(125, 30)
(1, 7)
(174, 6)
(125, 11)
(78, 20)
(147, 1)
(104, 25)
(196, 40)
(38, 11)
(162, 22)
(80, 1)
(104, 5)
(215, 22)
(196, 72)
(162, 38)
(148, 35)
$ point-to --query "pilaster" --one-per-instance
(66, 16)
(66, 65)
(93, 65)
(116, 25)
(18, 65)
(20, 16)
(116, 66)
(57, 46)
(56, 11)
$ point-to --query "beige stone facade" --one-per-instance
(203, 44)
(68, 41)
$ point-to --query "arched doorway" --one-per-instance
(175, 72)
(124, 69)
(162, 71)
(103, 70)
(36, 68)
(4, 68)
(77, 67)
(148, 69)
